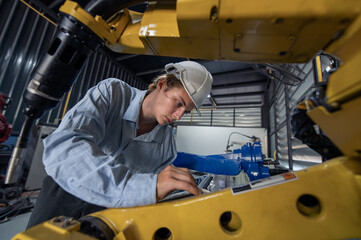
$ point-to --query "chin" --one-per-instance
(162, 121)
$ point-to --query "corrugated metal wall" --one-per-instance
(282, 100)
(24, 36)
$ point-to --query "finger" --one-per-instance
(183, 171)
(176, 178)
(186, 186)
(180, 176)
(179, 170)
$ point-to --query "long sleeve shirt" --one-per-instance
(96, 156)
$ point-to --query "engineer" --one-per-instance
(114, 147)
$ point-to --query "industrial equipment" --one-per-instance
(321, 202)
(248, 158)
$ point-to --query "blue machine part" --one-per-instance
(251, 152)
(252, 161)
(248, 158)
(225, 164)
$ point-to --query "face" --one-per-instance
(171, 103)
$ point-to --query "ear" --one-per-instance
(162, 84)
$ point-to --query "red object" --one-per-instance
(5, 128)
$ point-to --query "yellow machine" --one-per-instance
(320, 202)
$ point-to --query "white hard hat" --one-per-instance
(195, 78)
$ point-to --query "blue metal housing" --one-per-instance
(248, 158)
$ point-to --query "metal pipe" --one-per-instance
(289, 132)
(13, 173)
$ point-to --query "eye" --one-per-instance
(179, 104)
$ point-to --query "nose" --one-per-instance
(178, 113)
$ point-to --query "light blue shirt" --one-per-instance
(96, 156)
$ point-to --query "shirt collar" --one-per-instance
(155, 135)
(132, 112)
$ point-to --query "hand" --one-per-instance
(173, 178)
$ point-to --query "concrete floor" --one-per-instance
(11, 228)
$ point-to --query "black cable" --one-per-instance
(17, 208)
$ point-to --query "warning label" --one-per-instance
(265, 182)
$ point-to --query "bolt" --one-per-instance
(335, 105)
(291, 37)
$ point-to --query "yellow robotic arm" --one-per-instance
(258, 31)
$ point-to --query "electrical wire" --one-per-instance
(19, 205)
(253, 138)
(41, 14)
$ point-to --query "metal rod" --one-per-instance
(275, 121)
(234, 117)
(14, 170)
(289, 132)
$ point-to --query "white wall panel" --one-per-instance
(213, 140)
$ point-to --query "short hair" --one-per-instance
(171, 81)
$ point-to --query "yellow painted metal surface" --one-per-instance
(107, 31)
(282, 31)
(342, 127)
(167, 29)
(253, 31)
(346, 82)
(267, 213)
(323, 202)
(54, 230)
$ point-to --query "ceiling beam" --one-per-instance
(243, 94)
(239, 84)
(235, 73)
(240, 105)
(154, 70)
(127, 56)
